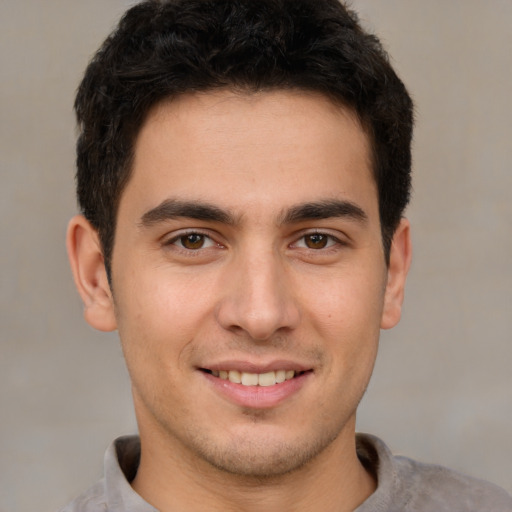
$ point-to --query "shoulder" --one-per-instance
(113, 493)
(429, 487)
(411, 486)
(92, 500)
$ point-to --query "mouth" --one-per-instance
(266, 379)
(257, 386)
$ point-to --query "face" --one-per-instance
(249, 280)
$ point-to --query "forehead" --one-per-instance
(269, 148)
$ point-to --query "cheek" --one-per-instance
(160, 314)
(347, 316)
(348, 302)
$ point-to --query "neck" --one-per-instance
(334, 480)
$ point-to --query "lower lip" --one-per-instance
(258, 397)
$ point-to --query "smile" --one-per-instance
(257, 386)
(255, 379)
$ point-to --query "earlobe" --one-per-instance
(88, 267)
(399, 262)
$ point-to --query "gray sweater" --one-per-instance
(403, 484)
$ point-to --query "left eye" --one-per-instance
(193, 241)
(316, 241)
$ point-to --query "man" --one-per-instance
(243, 169)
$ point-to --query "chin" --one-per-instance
(265, 458)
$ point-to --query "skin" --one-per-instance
(252, 280)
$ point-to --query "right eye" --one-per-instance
(192, 241)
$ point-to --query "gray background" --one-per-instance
(442, 387)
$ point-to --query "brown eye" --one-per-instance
(192, 241)
(316, 241)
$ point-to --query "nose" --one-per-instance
(258, 298)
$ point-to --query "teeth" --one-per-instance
(255, 379)
(235, 376)
(249, 379)
(267, 379)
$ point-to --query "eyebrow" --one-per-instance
(324, 210)
(173, 209)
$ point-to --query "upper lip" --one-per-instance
(256, 367)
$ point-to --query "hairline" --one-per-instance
(242, 90)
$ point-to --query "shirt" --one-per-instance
(403, 484)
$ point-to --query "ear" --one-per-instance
(88, 266)
(399, 262)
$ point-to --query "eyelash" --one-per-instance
(175, 240)
(331, 241)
